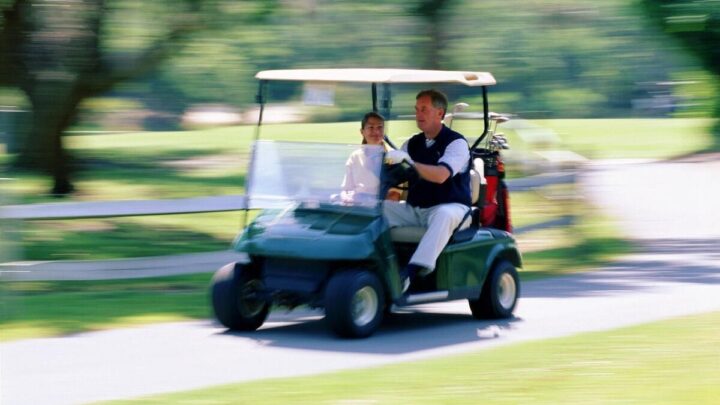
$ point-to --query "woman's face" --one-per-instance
(373, 131)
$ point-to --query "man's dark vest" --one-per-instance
(424, 194)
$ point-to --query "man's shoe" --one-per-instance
(405, 281)
(408, 273)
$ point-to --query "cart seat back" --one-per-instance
(477, 179)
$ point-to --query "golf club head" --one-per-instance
(498, 118)
(460, 107)
(456, 109)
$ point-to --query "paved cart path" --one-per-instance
(677, 272)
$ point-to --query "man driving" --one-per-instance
(439, 197)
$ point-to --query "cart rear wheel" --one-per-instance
(235, 298)
(499, 294)
(354, 303)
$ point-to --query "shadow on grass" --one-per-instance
(654, 263)
(591, 252)
(111, 239)
(167, 174)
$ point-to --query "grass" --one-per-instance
(633, 138)
(117, 238)
(669, 362)
(592, 240)
(55, 308)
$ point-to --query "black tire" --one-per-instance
(499, 294)
(354, 303)
(234, 298)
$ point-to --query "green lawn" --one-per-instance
(55, 308)
(633, 138)
(116, 238)
(670, 362)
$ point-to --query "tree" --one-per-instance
(696, 24)
(54, 52)
(60, 53)
(433, 15)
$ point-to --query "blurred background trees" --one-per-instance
(696, 24)
(79, 62)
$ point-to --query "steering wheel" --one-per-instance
(394, 175)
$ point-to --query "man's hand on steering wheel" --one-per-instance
(397, 156)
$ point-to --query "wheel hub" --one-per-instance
(507, 290)
(364, 306)
(249, 304)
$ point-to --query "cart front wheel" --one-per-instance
(236, 299)
(354, 303)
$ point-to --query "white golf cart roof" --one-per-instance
(379, 76)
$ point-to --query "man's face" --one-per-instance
(427, 117)
(373, 131)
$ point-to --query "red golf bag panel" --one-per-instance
(496, 205)
(490, 205)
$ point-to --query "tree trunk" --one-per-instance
(54, 104)
(436, 42)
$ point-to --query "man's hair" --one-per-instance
(371, 114)
(438, 99)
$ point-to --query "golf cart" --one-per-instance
(308, 245)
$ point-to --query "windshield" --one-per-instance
(285, 174)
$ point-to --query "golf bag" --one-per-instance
(494, 202)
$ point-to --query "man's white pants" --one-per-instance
(440, 221)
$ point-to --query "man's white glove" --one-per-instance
(397, 156)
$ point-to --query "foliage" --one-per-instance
(557, 58)
(696, 24)
(60, 53)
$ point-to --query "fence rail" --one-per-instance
(123, 208)
(126, 208)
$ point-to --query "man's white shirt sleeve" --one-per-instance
(457, 155)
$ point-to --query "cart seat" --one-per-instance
(413, 234)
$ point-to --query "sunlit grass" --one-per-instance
(668, 362)
(591, 241)
(633, 138)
